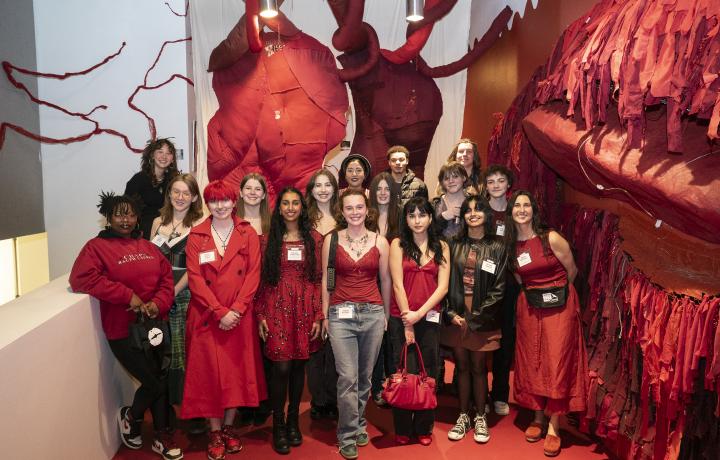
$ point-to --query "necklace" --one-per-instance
(174, 233)
(223, 241)
(357, 246)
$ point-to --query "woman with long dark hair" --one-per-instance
(420, 270)
(130, 277)
(157, 166)
(550, 358)
(355, 313)
(474, 310)
(321, 195)
(288, 310)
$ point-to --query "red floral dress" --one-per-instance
(291, 307)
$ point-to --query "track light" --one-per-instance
(414, 10)
(268, 8)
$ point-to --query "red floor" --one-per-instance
(507, 440)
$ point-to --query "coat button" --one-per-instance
(239, 272)
(207, 282)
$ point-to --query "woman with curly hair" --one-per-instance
(157, 166)
(130, 277)
(288, 310)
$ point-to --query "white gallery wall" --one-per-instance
(73, 35)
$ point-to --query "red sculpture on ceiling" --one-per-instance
(283, 103)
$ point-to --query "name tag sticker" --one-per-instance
(207, 257)
(346, 312)
(433, 316)
(500, 230)
(524, 259)
(295, 253)
(489, 266)
(159, 240)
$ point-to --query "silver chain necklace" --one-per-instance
(223, 241)
(360, 242)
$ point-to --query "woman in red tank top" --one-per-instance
(419, 266)
(355, 313)
(550, 359)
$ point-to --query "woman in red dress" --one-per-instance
(224, 364)
(550, 358)
(289, 310)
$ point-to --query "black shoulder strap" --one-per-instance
(331, 262)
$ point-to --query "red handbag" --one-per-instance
(409, 391)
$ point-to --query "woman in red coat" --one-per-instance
(224, 364)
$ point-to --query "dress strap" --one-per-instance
(376, 235)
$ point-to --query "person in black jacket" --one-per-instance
(474, 308)
(148, 187)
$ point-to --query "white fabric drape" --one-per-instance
(211, 20)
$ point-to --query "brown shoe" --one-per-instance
(552, 445)
(534, 432)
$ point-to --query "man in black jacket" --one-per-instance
(405, 185)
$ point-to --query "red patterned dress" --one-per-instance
(291, 307)
(550, 359)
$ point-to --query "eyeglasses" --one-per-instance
(356, 171)
(178, 193)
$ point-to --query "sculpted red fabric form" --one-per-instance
(280, 113)
(670, 187)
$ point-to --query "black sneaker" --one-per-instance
(164, 444)
(130, 437)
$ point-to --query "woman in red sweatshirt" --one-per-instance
(129, 275)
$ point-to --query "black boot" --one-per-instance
(293, 429)
(280, 441)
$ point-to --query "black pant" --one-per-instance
(287, 382)
(419, 422)
(153, 391)
(322, 377)
(503, 357)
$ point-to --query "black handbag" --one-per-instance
(550, 297)
(151, 336)
(330, 280)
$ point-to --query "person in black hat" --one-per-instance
(355, 172)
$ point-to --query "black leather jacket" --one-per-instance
(486, 314)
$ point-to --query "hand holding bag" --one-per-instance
(409, 391)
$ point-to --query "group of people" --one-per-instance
(333, 283)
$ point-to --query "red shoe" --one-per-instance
(233, 444)
(216, 447)
(425, 439)
(401, 440)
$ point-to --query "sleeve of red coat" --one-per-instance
(252, 275)
(198, 288)
(165, 292)
(89, 275)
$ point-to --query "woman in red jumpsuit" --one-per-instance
(224, 364)
(550, 358)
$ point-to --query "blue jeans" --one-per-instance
(356, 343)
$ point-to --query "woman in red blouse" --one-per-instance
(129, 275)
(224, 364)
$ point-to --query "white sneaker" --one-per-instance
(130, 439)
(461, 427)
(481, 435)
(501, 407)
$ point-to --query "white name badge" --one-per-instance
(500, 230)
(433, 316)
(524, 259)
(159, 240)
(295, 253)
(207, 257)
(346, 312)
(488, 266)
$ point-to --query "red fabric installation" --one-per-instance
(182, 15)
(280, 112)
(653, 355)
(8, 68)
(678, 190)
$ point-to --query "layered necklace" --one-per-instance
(223, 240)
(357, 246)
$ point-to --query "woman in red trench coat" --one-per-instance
(224, 364)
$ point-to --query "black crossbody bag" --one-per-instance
(330, 284)
(550, 297)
